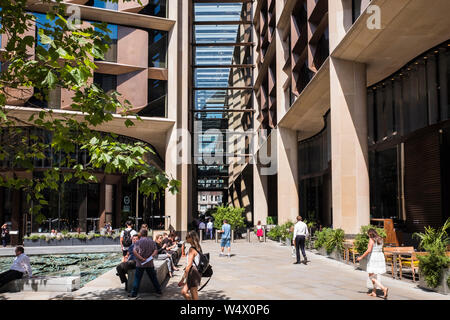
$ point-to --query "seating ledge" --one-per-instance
(43, 284)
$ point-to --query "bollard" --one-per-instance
(232, 236)
(201, 235)
(264, 233)
(248, 235)
(217, 236)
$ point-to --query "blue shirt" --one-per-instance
(226, 231)
(131, 256)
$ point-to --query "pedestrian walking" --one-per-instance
(126, 238)
(209, 229)
(226, 238)
(259, 231)
(299, 238)
(376, 264)
(129, 264)
(202, 228)
(191, 273)
(145, 251)
(20, 267)
(5, 235)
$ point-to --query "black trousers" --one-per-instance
(9, 276)
(300, 244)
(122, 269)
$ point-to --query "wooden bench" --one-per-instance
(43, 284)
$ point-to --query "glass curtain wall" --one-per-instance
(222, 92)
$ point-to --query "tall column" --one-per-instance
(260, 210)
(177, 154)
(349, 150)
(287, 154)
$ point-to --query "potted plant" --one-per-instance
(335, 244)
(321, 240)
(434, 272)
(31, 241)
(362, 242)
(79, 239)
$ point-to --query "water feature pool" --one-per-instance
(89, 265)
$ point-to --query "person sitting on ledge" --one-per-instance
(129, 264)
(21, 265)
(163, 254)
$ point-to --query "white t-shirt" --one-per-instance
(132, 233)
(201, 225)
(209, 225)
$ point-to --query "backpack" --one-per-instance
(126, 242)
(204, 267)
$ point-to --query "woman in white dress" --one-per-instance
(376, 263)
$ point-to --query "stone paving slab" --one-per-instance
(258, 271)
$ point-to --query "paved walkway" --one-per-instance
(258, 271)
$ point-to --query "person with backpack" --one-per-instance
(126, 238)
(191, 273)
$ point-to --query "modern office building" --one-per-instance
(347, 98)
(358, 91)
(143, 65)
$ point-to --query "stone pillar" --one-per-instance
(287, 145)
(339, 20)
(102, 203)
(349, 150)
(260, 210)
(177, 156)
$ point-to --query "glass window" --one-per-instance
(157, 99)
(108, 82)
(157, 8)
(157, 49)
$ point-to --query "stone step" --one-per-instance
(43, 284)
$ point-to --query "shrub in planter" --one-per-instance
(322, 237)
(271, 220)
(275, 233)
(362, 239)
(433, 265)
(335, 241)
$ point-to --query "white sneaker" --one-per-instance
(221, 254)
(228, 255)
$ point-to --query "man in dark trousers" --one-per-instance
(20, 267)
(145, 251)
(130, 264)
(299, 238)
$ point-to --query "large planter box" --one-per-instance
(363, 264)
(336, 255)
(111, 241)
(79, 242)
(322, 251)
(32, 243)
(95, 242)
(441, 288)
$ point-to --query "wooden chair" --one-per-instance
(409, 262)
(407, 251)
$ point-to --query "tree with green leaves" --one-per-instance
(234, 216)
(63, 60)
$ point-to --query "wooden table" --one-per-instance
(395, 255)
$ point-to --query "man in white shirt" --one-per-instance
(21, 265)
(299, 238)
(209, 229)
(126, 237)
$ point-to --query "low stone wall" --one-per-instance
(162, 273)
(43, 284)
